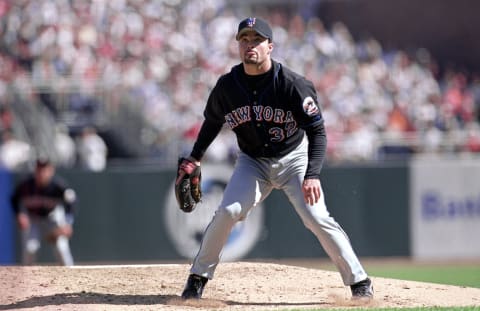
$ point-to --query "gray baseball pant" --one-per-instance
(252, 181)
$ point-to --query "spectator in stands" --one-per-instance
(64, 146)
(472, 143)
(165, 68)
(6, 118)
(458, 100)
(474, 89)
(15, 154)
(360, 143)
(92, 150)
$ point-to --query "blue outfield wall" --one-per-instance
(130, 215)
(7, 241)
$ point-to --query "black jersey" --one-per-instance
(41, 201)
(269, 114)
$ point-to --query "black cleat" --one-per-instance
(362, 289)
(194, 287)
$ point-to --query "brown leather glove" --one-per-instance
(188, 185)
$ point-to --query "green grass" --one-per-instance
(463, 274)
(399, 309)
(468, 275)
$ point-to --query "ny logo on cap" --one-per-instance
(251, 21)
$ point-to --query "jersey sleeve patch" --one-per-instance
(309, 106)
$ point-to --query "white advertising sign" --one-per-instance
(445, 209)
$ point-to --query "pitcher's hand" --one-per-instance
(311, 190)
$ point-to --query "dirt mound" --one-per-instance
(236, 286)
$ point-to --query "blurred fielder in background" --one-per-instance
(43, 206)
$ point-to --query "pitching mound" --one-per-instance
(237, 286)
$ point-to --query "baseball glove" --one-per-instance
(187, 185)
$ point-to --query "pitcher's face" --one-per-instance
(254, 49)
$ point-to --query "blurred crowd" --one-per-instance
(81, 63)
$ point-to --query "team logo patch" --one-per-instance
(309, 106)
(251, 21)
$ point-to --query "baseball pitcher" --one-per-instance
(281, 136)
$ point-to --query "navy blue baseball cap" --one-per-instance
(256, 24)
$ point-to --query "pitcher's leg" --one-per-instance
(214, 238)
(328, 232)
(338, 247)
(244, 190)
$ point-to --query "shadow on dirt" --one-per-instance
(89, 298)
(86, 298)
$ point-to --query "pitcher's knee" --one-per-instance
(232, 212)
